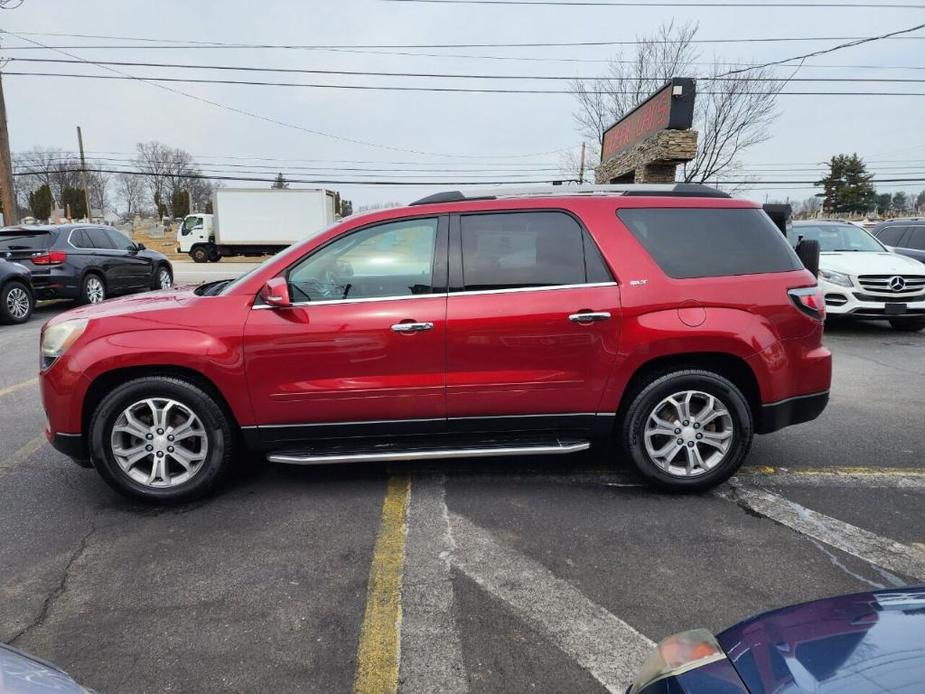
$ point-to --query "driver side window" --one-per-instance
(392, 259)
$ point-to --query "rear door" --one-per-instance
(107, 259)
(533, 318)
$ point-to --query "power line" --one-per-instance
(850, 44)
(659, 3)
(181, 44)
(442, 75)
(394, 88)
(269, 119)
(438, 183)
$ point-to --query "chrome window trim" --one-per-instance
(475, 292)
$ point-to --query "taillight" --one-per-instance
(50, 258)
(809, 300)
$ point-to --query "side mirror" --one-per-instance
(139, 247)
(808, 252)
(276, 293)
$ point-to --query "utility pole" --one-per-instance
(83, 172)
(10, 211)
(581, 166)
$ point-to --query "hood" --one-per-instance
(133, 305)
(871, 263)
(863, 642)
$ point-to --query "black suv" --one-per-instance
(16, 297)
(85, 262)
(906, 236)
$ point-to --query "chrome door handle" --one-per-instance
(589, 317)
(412, 327)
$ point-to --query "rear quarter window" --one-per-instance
(688, 243)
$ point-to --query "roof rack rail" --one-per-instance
(691, 190)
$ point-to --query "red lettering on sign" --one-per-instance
(653, 116)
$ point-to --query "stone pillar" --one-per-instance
(653, 160)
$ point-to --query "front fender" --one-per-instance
(214, 358)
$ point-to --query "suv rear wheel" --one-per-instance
(908, 325)
(161, 439)
(16, 303)
(92, 289)
(688, 430)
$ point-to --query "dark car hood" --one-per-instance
(866, 642)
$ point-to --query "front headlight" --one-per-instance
(678, 654)
(58, 338)
(839, 278)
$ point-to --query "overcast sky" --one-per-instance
(476, 128)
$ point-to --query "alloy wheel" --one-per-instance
(689, 433)
(17, 303)
(159, 442)
(164, 280)
(95, 291)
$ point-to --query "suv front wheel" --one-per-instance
(161, 439)
(688, 430)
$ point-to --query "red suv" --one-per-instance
(673, 319)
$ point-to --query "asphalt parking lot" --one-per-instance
(484, 576)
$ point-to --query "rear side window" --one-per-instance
(891, 235)
(917, 239)
(690, 243)
(79, 239)
(527, 249)
(16, 240)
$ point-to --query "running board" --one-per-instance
(551, 447)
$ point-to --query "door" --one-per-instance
(107, 259)
(137, 269)
(532, 318)
(362, 349)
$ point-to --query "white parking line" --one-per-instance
(870, 547)
(611, 650)
(431, 652)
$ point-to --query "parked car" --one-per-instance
(85, 262)
(867, 642)
(25, 674)
(16, 297)
(905, 236)
(672, 319)
(861, 278)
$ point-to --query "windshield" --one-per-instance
(273, 258)
(835, 237)
(190, 222)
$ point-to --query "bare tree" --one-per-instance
(153, 162)
(131, 189)
(98, 184)
(808, 208)
(168, 171)
(55, 168)
(732, 112)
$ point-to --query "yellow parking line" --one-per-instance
(20, 455)
(18, 386)
(380, 636)
(859, 471)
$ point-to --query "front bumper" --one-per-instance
(795, 410)
(858, 302)
(72, 445)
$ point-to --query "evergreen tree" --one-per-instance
(280, 182)
(883, 202)
(40, 201)
(179, 203)
(900, 202)
(847, 187)
(73, 199)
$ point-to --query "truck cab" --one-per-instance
(196, 230)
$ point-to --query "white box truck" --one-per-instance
(252, 221)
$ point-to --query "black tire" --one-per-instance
(199, 254)
(89, 291)
(216, 428)
(214, 256)
(908, 325)
(647, 399)
(16, 303)
(156, 282)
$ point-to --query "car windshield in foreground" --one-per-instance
(835, 238)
